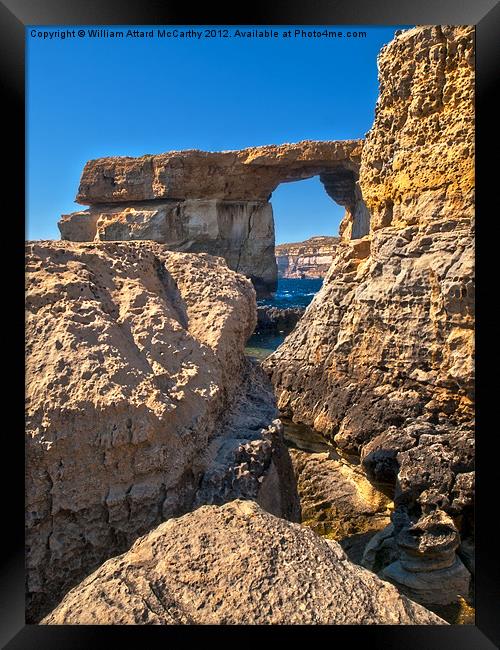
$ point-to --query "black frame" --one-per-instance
(485, 15)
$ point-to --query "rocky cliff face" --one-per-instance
(212, 202)
(203, 568)
(382, 360)
(241, 232)
(140, 403)
(247, 175)
(308, 259)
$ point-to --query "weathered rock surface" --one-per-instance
(382, 360)
(276, 319)
(308, 259)
(242, 232)
(428, 568)
(381, 550)
(235, 564)
(135, 366)
(247, 175)
(212, 202)
(336, 499)
(248, 458)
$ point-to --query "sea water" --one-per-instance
(289, 293)
(293, 293)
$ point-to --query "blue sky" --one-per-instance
(88, 98)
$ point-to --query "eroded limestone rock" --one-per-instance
(336, 499)
(242, 232)
(235, 564)
(382, 360)
(135, 364)
(212, 202)
(428, 569)
(247, 175)
(247, 458)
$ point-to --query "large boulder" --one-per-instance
(235, 564)
(135, 371)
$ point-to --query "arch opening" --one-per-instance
(310, 217)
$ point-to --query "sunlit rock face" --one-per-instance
(244, 175)
(382, 360)
(235, 565)
(140, 403)
(212, 202)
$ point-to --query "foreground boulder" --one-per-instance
(140, 402)
(235, 564)
(382, 360)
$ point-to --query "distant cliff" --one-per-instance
(308, 259)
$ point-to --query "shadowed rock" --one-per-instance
(308, 259)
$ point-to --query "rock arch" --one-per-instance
(213, 202)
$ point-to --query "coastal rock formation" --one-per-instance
(308, 259)
(336, 499)
(212, 202)
(247, 458)
(276, 319)
(135, 369)
(247, 175)
(242, 232)
(428, 568)
(235, 564)
(382, 360)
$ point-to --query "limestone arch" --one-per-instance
(213, 202)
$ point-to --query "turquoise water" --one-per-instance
(290, 293)
(261, 345)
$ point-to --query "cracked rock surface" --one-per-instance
(235, 564)
(134, 363)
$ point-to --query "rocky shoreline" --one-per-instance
(278, 320)
(163, 483)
